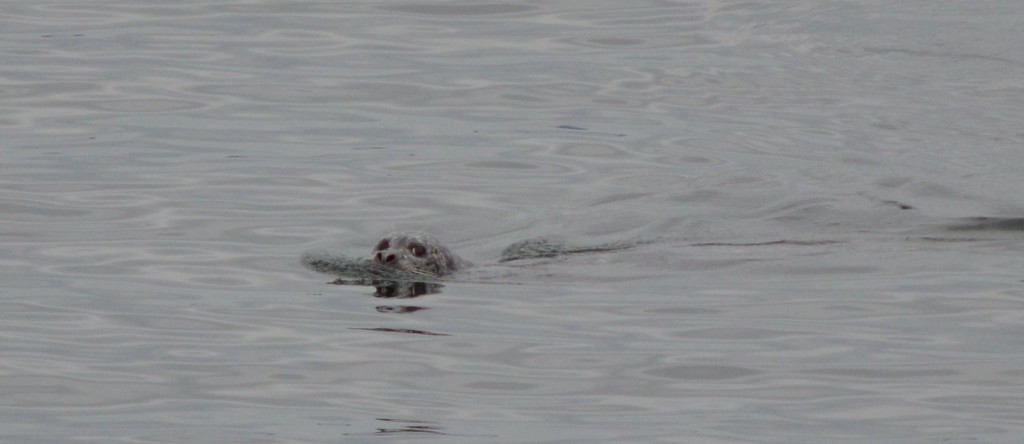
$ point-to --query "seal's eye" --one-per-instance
(418, 250)
(383, 244)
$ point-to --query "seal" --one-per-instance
(414, 257)
(417, 253)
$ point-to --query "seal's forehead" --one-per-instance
(398, 238)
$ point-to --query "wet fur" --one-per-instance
(397, 250)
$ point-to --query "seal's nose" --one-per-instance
(384, 257)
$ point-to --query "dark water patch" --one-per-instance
(898, 204)
(409, 426)
(768, 243)
(402, 330)
(989, 224)
(398, 309)
(952, 239)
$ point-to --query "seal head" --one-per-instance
(418, 253)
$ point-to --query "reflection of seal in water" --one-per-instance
(418, 253)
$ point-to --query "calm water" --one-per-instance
(811, 173)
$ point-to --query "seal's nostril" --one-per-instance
(390, 258)
(379, 257)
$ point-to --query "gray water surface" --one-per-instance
(824, 197)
